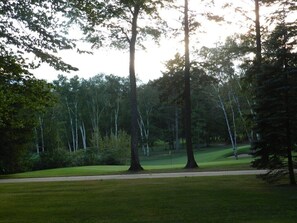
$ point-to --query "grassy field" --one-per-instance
(216, 158)
(200, 199)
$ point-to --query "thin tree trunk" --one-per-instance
(71, 126)
(235, 98)
(135, 163)
(191, 163)
(36, 141)
(288, 111)
(258, 34)
(176, 129)
(147, 133)
(95, 118)
(234, 128)
(76, 127)
(226, 118)
(141, 134)
(116, 116)
(83, 135)
(41, 134)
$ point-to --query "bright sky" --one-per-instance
(149, 63)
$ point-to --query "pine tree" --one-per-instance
(276, 104)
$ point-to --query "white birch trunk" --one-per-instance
(76, 126)
(176, 129)
(36, 141)
(41, 133)
(234, 128)
(83, 135)
(226, 119)
(72, 148)
(116, 117)
(139, 121)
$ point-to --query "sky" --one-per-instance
(150, 62)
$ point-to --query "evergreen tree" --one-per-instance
(276, 104)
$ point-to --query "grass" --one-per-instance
(176, 200)
(217, 158)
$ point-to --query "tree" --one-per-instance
(191, 163)
(171, 87)
(22, 99)
(121, 21)
(275, 97)
(219, 63)
(28, 28)
(148, 101)
(32, 27)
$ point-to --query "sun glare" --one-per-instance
(150, 62)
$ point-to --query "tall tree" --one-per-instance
(27, 27)
(275, 96)
(120, 18)
(191, 163)
(22, 98)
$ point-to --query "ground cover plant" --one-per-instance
(199, 199)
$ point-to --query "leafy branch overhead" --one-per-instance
(33, 31)
(109, 22)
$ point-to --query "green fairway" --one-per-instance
(203, 156)
(217, 158)
(200, 199)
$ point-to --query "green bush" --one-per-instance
(52, 159)
(115, 149)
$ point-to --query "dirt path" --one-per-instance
(134, 176)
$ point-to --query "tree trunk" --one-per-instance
(41, 133)
(83, 135)
(135, 163)
(72, 127)
(141, 134)
(176, 129)
(236, 100)
(234, 128)
(258, 34)
(191, 163)
(288, 111)
(227, 121)
(116, 117)
(76, 127)
(36, 141)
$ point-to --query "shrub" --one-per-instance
(52, 159)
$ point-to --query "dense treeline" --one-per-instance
(89, 122)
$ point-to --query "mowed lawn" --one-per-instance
(208, 159)
(197, 199)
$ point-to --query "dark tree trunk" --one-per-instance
(288, 110)
(135, 163)
(258, 35)
(191, 163)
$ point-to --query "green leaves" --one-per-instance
(34, 27)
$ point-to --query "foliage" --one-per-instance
(115, 149)
(28, 29)
(22, 98)
(275, 102)
(33, 27)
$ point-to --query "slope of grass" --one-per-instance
(203, 199)
(217, 158)
(202, 156)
